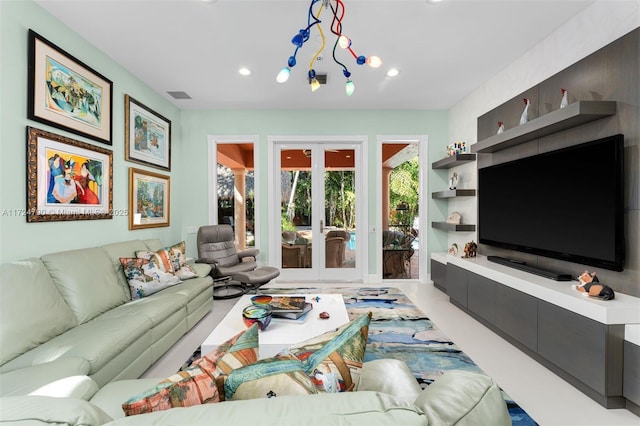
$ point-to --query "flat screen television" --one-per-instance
(566, 204)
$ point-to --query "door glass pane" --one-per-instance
(400, 196)
(295, 212)
(235, 194)
(340, 208)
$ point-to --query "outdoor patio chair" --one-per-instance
(333, 245)
(346, 236)
(292, 256)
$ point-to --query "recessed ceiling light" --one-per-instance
(244, 71)
(393, 72)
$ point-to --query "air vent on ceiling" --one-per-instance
(179, 95)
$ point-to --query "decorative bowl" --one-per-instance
(260, 314)
(261, 299)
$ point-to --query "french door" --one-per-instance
(318, 211)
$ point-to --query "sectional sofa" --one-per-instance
(73, 344)
(388, 395)
(70, 315)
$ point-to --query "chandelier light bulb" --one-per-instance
(344, 42)
(350, 87)
(374, 61)
(315, 85)
(283, 75)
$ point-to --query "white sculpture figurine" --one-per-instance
(525, 114)
(455, 218)
(453, 181)
(564, 102)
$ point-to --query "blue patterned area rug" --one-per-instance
(400, 330)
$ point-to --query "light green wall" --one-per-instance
(19, 239)
(197, 125)
(189, 183)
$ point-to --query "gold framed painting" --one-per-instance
(65, 93)
(149, 199)
(67, 179)
(147, 138)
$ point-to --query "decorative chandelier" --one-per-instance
(313, 19)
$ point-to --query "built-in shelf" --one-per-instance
(462, 227)
(447, 163)
(577, 113)
(451, 193)
(453, 161)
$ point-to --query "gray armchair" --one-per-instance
(237, 269)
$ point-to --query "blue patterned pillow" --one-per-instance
(145, 277)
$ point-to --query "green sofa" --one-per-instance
(388, 395)
(73, 344)
(68, 325)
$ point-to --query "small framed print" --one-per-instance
(67, 179)
(147, 135)
(149, 199)
(66, 93)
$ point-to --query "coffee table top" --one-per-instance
(282, 333)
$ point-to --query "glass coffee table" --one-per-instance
(282, 333)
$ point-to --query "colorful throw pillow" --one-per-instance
(334, 359)
(145, 277)
(331, 362)
(171, 259)
(160, 258)
(177, 255)
(277, 376)
(197, 384)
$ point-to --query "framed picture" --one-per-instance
(147, 138)
(67, 179)
(149, 199)
(66, 93)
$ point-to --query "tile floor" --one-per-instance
(546, 397)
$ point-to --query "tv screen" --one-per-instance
(565, 204)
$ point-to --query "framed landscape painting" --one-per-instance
(67, 179)
(149, 199)
(66, 93)
(147, 135)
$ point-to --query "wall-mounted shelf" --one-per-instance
(462, 227)
(577, 113)
(451, 193)
(447, 163)
(453, 161)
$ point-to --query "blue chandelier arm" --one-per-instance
(311, 15)
(292, 59)
(302, 37)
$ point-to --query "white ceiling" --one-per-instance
(443, 51)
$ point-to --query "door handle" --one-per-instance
(321, 226)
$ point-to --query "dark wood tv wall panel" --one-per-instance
(609, 74)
